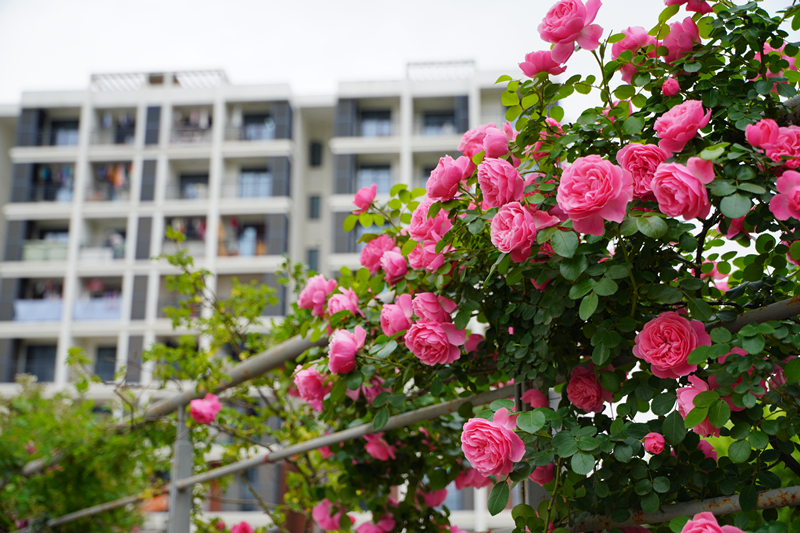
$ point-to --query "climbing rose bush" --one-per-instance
(600, 285)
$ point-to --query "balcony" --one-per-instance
(251, 132)
(102, 253)
(103, 308)
(188, 191)
(192, 125)
(50, 192)
(190, 135)
(175, 301)
(436, 124)
(42, 310)
(44, 250)
(118, 135)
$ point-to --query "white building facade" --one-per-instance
(90, 180)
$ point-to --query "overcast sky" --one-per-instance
(311, 44)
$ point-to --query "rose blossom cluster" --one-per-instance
(585, 392)
(434, 339)
(491, 446)
(326, 519)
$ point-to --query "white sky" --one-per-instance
(311, 44)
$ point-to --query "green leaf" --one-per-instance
(381, 399)
(633, 125)
(384, 352)
(509, 98)
(653, 227)
(605, 287)
(698, 356)
(700, 309)
(572, 268)
(582, 463)
(663, 403)
(668, 13)
(531, 421)
(365, 219)
(735, 205)
(791, 371)
(623, 92)
(720, 335)
(564, 243)
(650, 503)
(588, 306)
(581, 288)
(350, 222)
(338, 391)
(661, 485)
(504, 77)
(409, 247)
(557, 113)
(677, 524)
(695, 417)
(498, 498)
(739, 451)
(758, 439)
(794, 250)
(476, 226)
(354, 380)
(719, 413)
(748, 497)
(712, 152)
(617, 37)
(705, 399)
(753, 345)
(381, 417)
(501, 404)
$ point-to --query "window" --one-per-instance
(376, 123)
(64, 133)
(106, 363)
(381, 175)
(313, 207)
(313, 259)
(315, 154)
(258, 127)
(41, 362)
(438, 123)
(193, 186)
(252, 477)
(255, 183)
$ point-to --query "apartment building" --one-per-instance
(91, 179)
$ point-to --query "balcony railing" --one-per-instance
(50, 192)
(38, 310)
(250, 132)
(189, 191)
(106, 308)
(44, 251)
(117, 135)
(108, 192)
(377, 128)
(196, 248)
(242, 247)
(191, 135)
(101, 253)
(243, 187)
(432, 130)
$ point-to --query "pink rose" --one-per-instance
(567, 22)
(778, 378)
(369, 527)
(495, 143)
(681, 39)
(30, 447)
(364, 198)
(423, 228)
(551, 131)
(681, 190)
(386, 523)
(370, 391)
(666, 341)
(707, 523)
(396, 317)
(454, 529)
(473, 340)
(434, 498)
(712, 380)
(499, 182)
(378, 448)
(394, 265)
(654, 443)
(795, 262)
(220, 525)
(593, 190)
(492, 447)
(713, 273)
(698, 6)
(342, 350)
(722, 286)
(373, 251)
(445, 178)
(786, 149)
(762, 134)
(541, 61)
(735, 227)
(326, 452)
(315, 294)
(670, 87)
(542, 475)
(471, 478)
(635, 39)
(535, 398)
(205, 411)
(345, 300)
(514, 229)
(686, 404)
(431, 308)
(425, 256)
(324, 517)
(680, 124)
(242, 527)
(472, 141)
(642, 160)
(435, 343)
(786, 204)
(707, 449)
(585, 392)
(789, 59)
(311, 386)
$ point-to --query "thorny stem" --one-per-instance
(263, 504)
(555, 492)
(701, 241)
